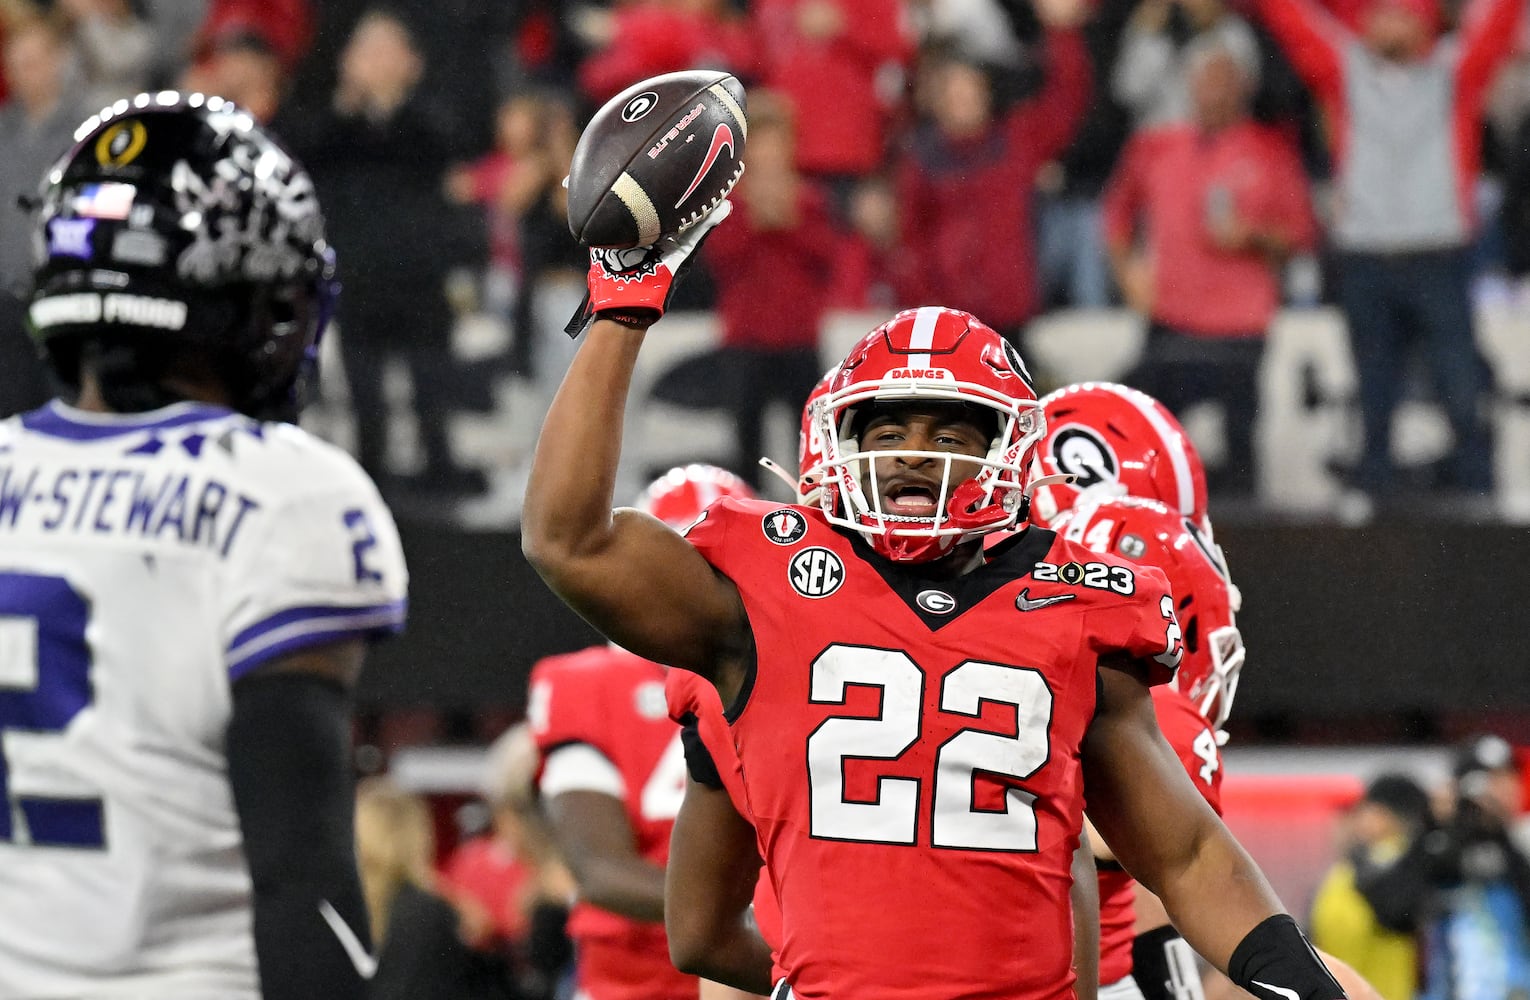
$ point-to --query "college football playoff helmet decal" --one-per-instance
(1114, 441)
(940, 355)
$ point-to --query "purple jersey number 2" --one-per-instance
(54, 612)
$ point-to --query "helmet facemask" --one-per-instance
(991, 500)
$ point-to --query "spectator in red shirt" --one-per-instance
(1199, 218)
(774, 267)
(836, 60)
(966, 177)
(645, 39)
(872, 270)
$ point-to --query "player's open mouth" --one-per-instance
(909, 500)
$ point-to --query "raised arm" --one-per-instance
(1312, 39)
(1491, 28)
(1166, 835)
(637, 581)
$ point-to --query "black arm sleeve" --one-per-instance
(1274, 961)
(289, 766)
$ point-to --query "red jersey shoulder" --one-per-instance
(778, 523)
(1193, 739)
(584, 697)
(695, 702)
(690, 694)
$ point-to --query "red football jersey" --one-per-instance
(1194, 740)
(692, 697)
(910, 748)
(614, 702)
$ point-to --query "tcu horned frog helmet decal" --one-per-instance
(1154, 534)
(935, 355)
(680, 496)
(1116, 441)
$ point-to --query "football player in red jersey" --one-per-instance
(1116, 441)
(611, 775)
(1141, 955)
(915, 722)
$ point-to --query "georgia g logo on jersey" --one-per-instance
(1081, 452)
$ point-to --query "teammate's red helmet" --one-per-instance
(1114, 441)
(1149, 532)
(810, 442)
(680, 495)
(938, 355)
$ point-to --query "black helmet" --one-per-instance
(177, 224)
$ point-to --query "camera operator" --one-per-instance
(1464, 886)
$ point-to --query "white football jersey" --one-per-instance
(146, 562)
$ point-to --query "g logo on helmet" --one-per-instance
(639, 106)
(120, 145)
(1080, 452)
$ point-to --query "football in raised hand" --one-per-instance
(656, 158)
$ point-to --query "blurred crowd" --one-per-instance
(1201, 163)
(1431, 896)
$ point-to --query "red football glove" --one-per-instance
(633, 286)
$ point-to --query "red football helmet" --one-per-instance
(810, 442)
(680, 495)
(929, 354)
(1116, 441)
(1149, 532)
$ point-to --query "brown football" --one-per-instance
(656, 158)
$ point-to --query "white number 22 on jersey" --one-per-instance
(893, 817)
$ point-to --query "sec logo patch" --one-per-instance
(815, 572)
(784, 526)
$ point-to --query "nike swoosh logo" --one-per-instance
(1288, 994)
(1024, 602)
(365, 963)
(723, 136)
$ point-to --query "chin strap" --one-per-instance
(773, 467)
(1058, 479)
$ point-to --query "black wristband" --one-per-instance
(1274, 961)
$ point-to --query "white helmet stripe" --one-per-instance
(923, 335)
(1173, 445)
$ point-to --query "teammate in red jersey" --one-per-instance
(1116, 441)
(1141, 955)
(915, 723)
(611, 776)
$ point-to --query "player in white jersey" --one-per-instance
(187, 584)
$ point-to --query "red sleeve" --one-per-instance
(916, 212)
(1124, 193)
(646, 42)
(1313, 40)
(820, 241)
(1046, 123)
(1288, 205)
(564, 705)
(1142, 627)
(1491, 27)
(1193, 740)
(874, 31)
